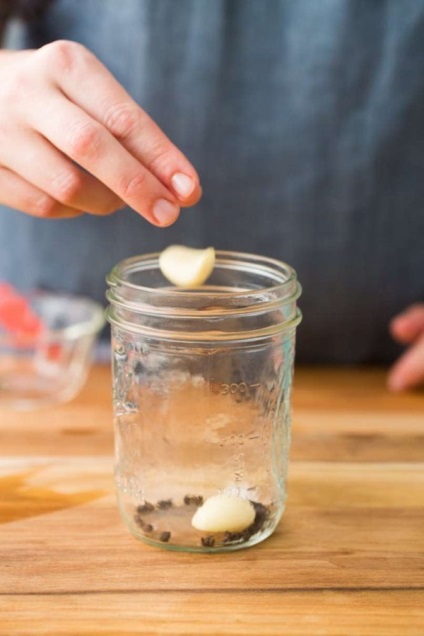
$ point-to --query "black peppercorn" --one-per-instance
(146, 507)
(193, 500)
(164, 504)
(208, 542)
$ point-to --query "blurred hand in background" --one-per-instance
(408, 328)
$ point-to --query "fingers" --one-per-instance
(40, 163)
(409, 324)
(70, 131)
(88, 84)
(21, 195)
(408, 372)
(88, 143)
(408, 327)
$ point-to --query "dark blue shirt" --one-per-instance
(305, 120)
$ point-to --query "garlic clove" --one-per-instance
(224, 513)
(186, 266)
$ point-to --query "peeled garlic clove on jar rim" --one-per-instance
(187, 266)
(224, 513)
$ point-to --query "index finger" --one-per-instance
(408, 325)
(90, 145)
(89, 84)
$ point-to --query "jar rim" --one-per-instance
(243, 286)
(269, 264)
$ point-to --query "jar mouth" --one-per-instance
(281, 276)
(241, 285)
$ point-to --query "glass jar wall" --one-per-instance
(201, 391)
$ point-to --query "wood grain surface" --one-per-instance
(347, 558)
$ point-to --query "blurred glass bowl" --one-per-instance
(51, 367)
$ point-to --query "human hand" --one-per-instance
(73, 141)
(408, 328)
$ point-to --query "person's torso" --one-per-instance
(305, 121)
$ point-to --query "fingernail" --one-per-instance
(182, 184)
(165, 212)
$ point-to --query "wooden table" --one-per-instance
(347, 558)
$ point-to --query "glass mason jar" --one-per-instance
(201, 392)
